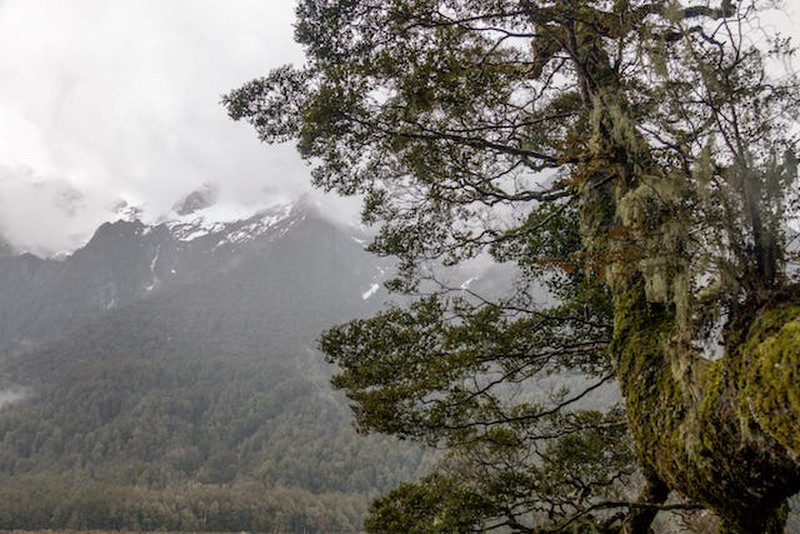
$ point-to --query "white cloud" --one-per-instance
(46, 213)
(122, 99)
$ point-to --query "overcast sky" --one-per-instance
(103, 100)
(108, 100)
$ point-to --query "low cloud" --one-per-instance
(44, 214)
(103, 101)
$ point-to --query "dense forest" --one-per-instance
(188, 445)
(201, 404)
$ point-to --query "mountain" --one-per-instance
(166, 376)
(200, 199)
(127, 261)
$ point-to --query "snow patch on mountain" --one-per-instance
(377, 280)
(468, 282)
(371, 291)
(256, 226)
(210, 220)
(154, 278)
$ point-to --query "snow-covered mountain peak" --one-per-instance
(233, 224)
(259, 224)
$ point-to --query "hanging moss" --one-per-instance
(682, 410)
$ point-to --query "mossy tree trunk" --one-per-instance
(716, 433)
(724, 433)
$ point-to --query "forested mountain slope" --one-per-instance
(172, 380)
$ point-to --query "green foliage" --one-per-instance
(635, 164)
(467, 494)
(436, 504)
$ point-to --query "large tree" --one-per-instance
(636, 162)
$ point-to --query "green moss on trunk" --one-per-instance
(770, 377)
(725, 434)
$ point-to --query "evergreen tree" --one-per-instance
(631, 157)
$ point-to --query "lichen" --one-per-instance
(724, 434)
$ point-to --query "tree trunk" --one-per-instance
(722, 434)
(725, 434)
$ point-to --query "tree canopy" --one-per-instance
(636, 161)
